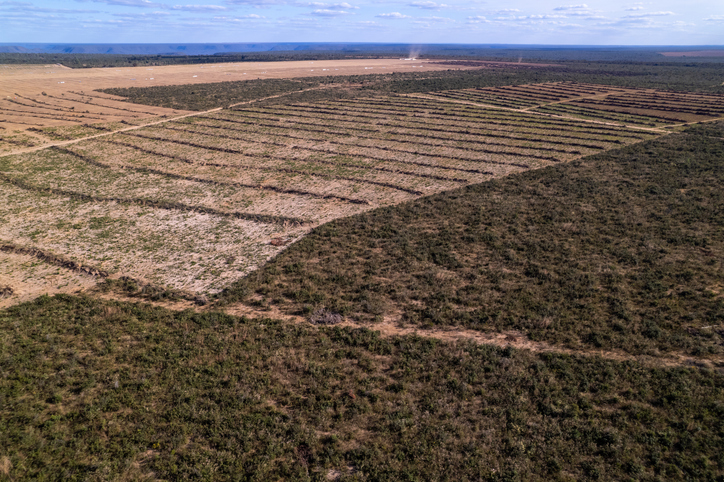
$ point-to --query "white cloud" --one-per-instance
(648, 14)
(323, 12)
(328, 6)
(436, 19)
(634, 8)
(715, 18)
(27, 7)
(572, 7)
(239, 18)
(428, 5)
(257, 3)
(130, 3)
(531, 17)
(141, 15)
(392, 15)
(478, 19)
(199, 8)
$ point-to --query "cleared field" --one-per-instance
(40, 104)
(197, 202)
(641, 107)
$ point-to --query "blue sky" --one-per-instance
(597, 22)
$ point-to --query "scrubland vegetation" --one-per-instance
(100, 390)
(584, 219)
(618, 250)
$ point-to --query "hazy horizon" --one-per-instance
(597, 23)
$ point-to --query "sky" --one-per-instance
(597, 22)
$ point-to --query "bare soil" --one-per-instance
(28, 277)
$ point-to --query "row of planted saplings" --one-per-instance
(49, 116)
(709, 100)
(518, 120)
(52, 259)
(663, 104)
(266, 187)
(526, 95)
(561, 109)
(108, 106)
(293, 171)
(331, 176)
(651, 106)
(178, 205)
(50, 106)
(503, 101)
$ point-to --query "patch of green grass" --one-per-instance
(619, 250)
(98, 390)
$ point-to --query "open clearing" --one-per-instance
(42, 103)
(194, 201)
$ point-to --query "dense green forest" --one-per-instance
(101, 390)
(82, 61)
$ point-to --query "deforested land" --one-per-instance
(362, 269)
